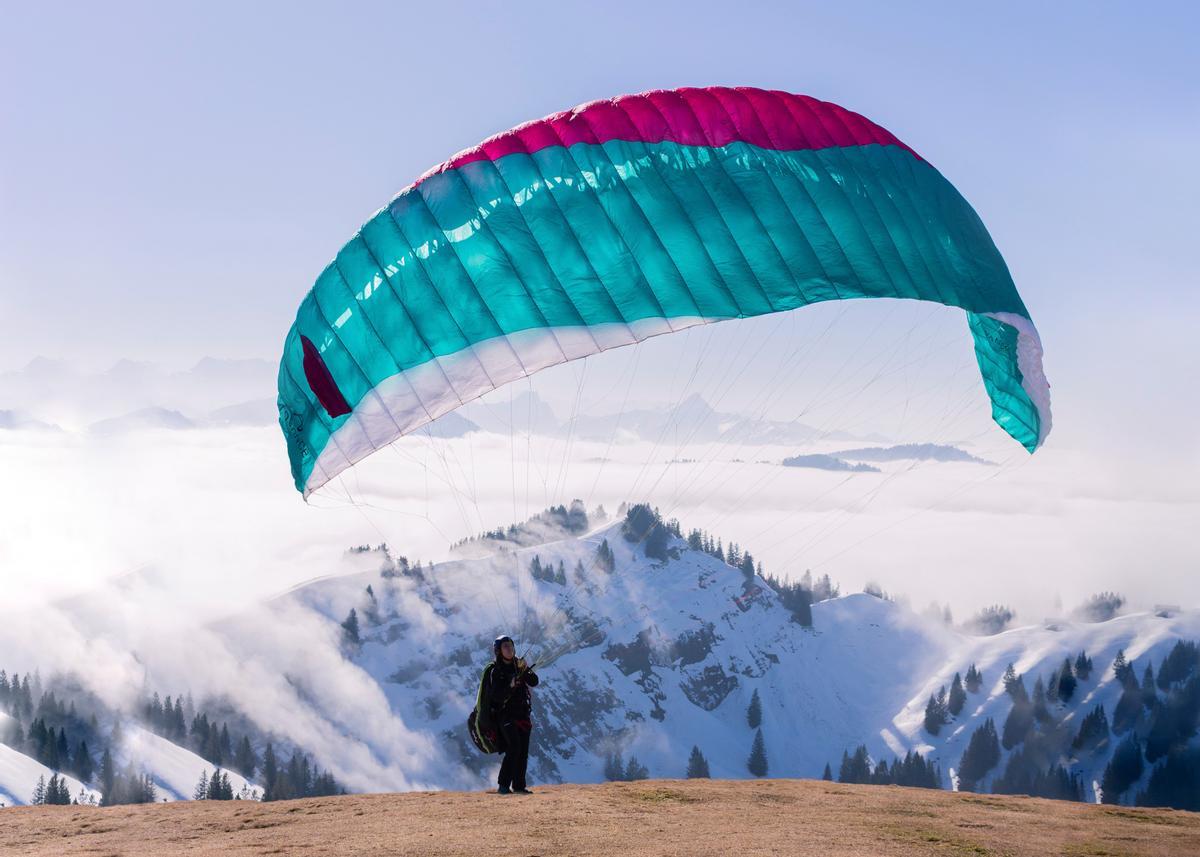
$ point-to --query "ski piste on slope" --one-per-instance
(682, 645)
(174, 769)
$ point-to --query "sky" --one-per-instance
(173, 177)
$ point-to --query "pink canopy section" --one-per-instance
(696, 116)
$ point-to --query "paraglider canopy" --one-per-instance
(623, 219)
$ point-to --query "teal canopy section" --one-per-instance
(494, 269)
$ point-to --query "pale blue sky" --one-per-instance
(171, 179)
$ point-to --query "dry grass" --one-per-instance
(659, 817)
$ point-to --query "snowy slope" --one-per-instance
(662, 656)
(176, 770)
(1037, 651)
(19, 776)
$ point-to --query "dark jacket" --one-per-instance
(510, 703)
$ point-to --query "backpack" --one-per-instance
(480, 724)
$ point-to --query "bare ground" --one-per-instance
(660, 817)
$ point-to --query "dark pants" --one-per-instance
(516, 756)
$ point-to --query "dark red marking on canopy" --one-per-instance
(320, 380)
(693, 116)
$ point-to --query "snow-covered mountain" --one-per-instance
(58, 392)
(145, 418)
(640, 656)
(658, 656)
(21, 421)
(256, 412)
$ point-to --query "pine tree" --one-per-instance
(350, 629)
(1149, 695)
(1128, 712)
(1123, 770)
(107, 779)
(1093, 730)
(216, 750)
(1011, 680)
(757, 763)
(1051, 687)
(754, 711)
(270, 771)
(201, 790)
(154, 712)
(982, 754)
(958, 696)
(827, 775)
(82, 764)
(605, 559)
(697, 767)
(748, 569)
(1123, 670)
(219, 787)
(245, 760)
(39, 792)
(614, 768)
(936, 712)
(1018, 724)
(1041, 712)
(856, 768)
(635, 770)
(1066, 681)
(974, 679)
(1083, 666)
(58, 793)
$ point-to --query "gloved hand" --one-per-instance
(520, 664)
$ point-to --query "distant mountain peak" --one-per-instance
(19, 420)
(46, 366)
(143, 418)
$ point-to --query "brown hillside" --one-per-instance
(690, 817)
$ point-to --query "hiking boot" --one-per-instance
(504, 790)
(522, 791)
